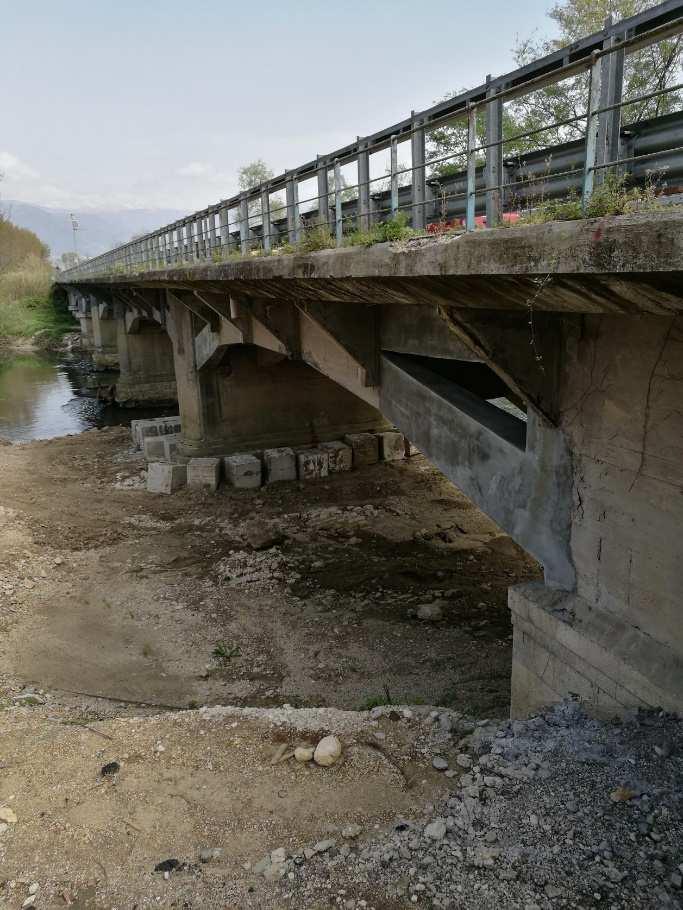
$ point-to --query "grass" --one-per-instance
(613, 197)
(223, 653)
(27, 307)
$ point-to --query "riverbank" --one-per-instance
(124, 613)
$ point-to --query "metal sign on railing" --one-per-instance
(486, 189)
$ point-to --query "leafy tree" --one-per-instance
(655, 67)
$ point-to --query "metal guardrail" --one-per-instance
(257, 220)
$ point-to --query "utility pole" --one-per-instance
(74, 228)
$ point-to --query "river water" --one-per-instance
(45, 395)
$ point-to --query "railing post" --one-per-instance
(267, 227)
(470, 222)
(293, 225)
(223, 218)
(417, 144)
(394, 176)
(363, 186)
(244, 224)
(323, 192)
(338, 215)
(493, 171)
(611, 90)
(592, 130)
(210, 234)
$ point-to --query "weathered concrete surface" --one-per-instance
(105, 352)
(627, 264)
(146, 365)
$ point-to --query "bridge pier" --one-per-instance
(105, 351)
(245, 396)
(145, 356)
(615, 639)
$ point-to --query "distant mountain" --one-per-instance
(98, 230)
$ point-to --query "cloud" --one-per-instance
(196, 169)
(14, 168)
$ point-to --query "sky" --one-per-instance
(111, 104)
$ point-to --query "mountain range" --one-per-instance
(98, 231)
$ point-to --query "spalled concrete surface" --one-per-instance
(204, 473)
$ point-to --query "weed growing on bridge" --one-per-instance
(392, 229)
(613, 197)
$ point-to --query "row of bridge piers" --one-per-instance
(538, 369)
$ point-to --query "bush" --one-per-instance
(392, 230)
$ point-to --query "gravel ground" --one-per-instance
(556, 811)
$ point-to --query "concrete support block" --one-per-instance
(243, 471)
(392, 446)
(365, 448)
(339, 456)
(166, 478)
(312, 464)
(565, 646)
(279, 464)
(170, 444)
(157, 426)
(153, 448)
(204, 473)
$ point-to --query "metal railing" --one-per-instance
(260, 221)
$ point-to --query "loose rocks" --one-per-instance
(328, 751)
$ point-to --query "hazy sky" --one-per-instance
(156, 103)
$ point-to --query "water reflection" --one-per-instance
(41, 396)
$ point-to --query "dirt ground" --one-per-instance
(116, 604)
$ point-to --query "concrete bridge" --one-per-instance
(578, 324)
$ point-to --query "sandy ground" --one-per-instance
(116, 604)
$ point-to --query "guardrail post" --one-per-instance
(393, 167)
(493, 171)
(223, 218)
(363, 186)
(611, 91)
(338, 215)
(244, 224)
(266, 226)
(293, 224)
(417, 145)
(323, 192)
(210, 234)
(470, 222)
(592, 129)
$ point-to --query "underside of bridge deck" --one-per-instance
(539, 368)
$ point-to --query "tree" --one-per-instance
(251, 175)
(650, 69)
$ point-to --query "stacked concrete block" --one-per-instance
(339, 456)
(392, 445)
(158, 426)
(365, 448)
(204, 473)
(243, 471)
(312, 464)
(153, 448)
(165, 478)
(170, 445)
(279, 464)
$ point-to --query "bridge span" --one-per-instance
(579, 324)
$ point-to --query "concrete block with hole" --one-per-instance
(365, 448)
(243, 472)
(203, 473)
(153, 448)
(312, 464)
(141, 429)
(279, 464)
(392, 445)
(165, 478)
(339, 456)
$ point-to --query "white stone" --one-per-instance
(436, 830)
(243, 471)
(365, 448)
(7, 815)
(279, 464)
(328, 751)
(392, 446)
(339, 456)
(165, 478)
(304, 753)
(312, 464)
(410, 449)
(351, 831)
(203, 473)
(278, 856)
(430, 612)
